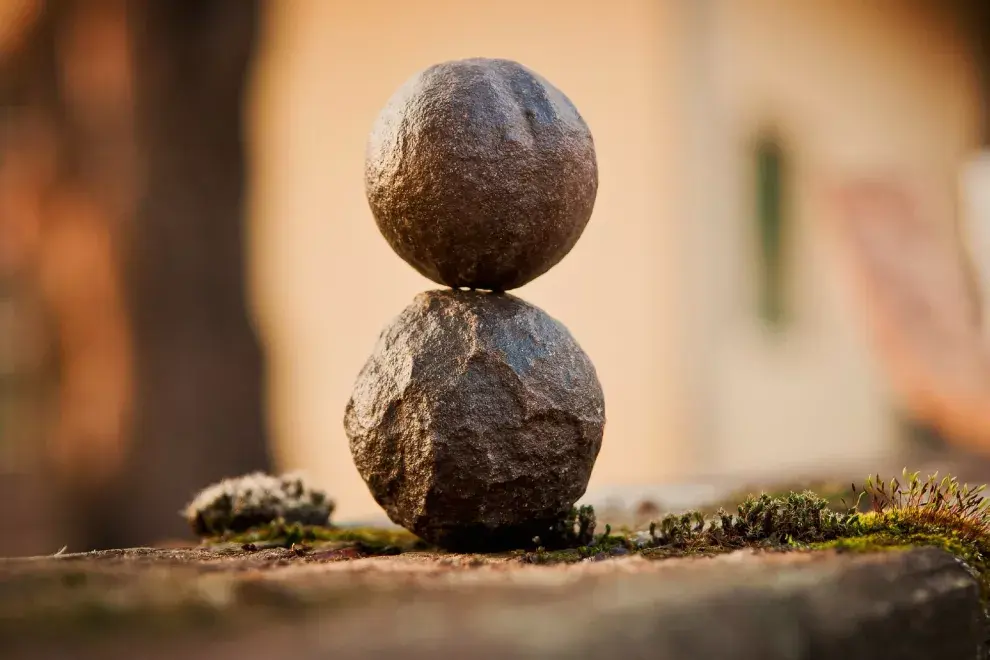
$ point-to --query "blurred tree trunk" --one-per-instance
(198, 400)
(65, 187)
(974, 22)
(121, 202)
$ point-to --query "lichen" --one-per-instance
(257, 499)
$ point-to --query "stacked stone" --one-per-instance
(477, 420)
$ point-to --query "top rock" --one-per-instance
(481, 174)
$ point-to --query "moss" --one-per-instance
(972, 555)
(378, 541)
(761, 522)
(839, 497)
(931, 512)
(598, 547)
(575, 529)
(368, 540)
(886, 541)
(904, 513)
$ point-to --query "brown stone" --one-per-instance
(194, 604)
(476, 421)
(481, 174)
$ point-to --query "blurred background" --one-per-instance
(784, 276)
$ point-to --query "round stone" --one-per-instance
(481, 174)
(476, 421)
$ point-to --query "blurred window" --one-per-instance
(771, 231)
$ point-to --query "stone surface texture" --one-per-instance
(910, 605)
(476, 421)
(481, 174)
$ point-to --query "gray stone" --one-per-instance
(476, 421)
(481, 174)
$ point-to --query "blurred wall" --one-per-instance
(660, 290)
(854, 90)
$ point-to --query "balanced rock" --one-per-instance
(481, 174)
(477, 420)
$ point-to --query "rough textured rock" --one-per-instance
(477, 420)
(481, 174)
(194, 604)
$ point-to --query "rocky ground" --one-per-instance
(327, 602)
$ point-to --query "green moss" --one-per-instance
(765, 521)
(928, 513)
(839, 497)
(974, 556)
(886, 541)
(378, 541)
(368, 540)
(903, 514)
(599, 547)
(575, 529)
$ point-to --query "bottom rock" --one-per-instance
(476, 421)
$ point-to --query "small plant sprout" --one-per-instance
(575, 529)
(929, 504)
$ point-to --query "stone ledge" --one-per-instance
(194, 604)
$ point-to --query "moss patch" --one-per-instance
(280, 534)
(596, 548)
(839, 497)
(974, 553)
(902, 513)
(765, 521)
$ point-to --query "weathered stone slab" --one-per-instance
(780, 606)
